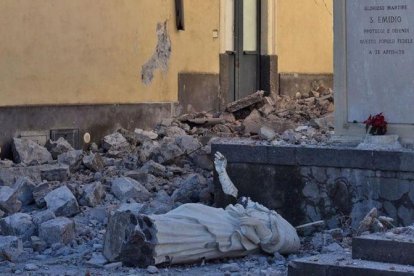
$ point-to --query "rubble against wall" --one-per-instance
(56, 201)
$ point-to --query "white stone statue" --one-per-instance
(193, 232)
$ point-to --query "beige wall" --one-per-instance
(304, 36)
(92, 51)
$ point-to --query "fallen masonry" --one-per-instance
(59, 206)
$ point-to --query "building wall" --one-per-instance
(92, 51)
(305, 36)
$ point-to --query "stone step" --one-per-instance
(390, 248)
(343, 265)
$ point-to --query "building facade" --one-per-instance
(75, 66)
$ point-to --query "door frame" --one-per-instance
(239, 47)
(267, 38)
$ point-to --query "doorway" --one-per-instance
(246, 47)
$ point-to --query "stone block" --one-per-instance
(59, 230)
(30, 153)
(40, 191)
(58, 147)
(18, 224)
(125, 188)
(55, 173)
(62, 202)
(115, 142)
(8, 200)
(380, 248)
(73, 159)
(93, 194)
(93, 161)
(24, 188)
(10, 248)
(343, 264)
(42, 216)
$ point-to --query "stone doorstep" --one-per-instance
(380, 249)
(343, 265)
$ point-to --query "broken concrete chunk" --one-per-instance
(58, 147)
(267, 133)
(92, 194)
(190, 189)
(161, 204)
(134, 208)
(245, 102)
(73, 159)
(24, 188)
(148, 150)
(125, 188)
(62, 202)
(55, 173)
(324, 122)
(174, 131)
(147, 134)
(253, 122)
(29, 152)
(8, 200)
(115, 142)
(188, 144)
(10, 248)
(119, 221)
(94, 162)
(169, 151)
(59, 230)
(38, 245)
(42, 216)
(154, 168)
(40, 191)
(18, 224)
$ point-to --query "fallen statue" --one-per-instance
(194, 232)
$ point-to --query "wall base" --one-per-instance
(98, 120)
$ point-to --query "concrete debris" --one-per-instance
(267, 133)
(115, 142)
(147, 134)
(58, 147)
(43, 216)
(93, 194)
(245, 102)
(373, 223)
(40, 191)
(125, 188)
(138, 172)
(29, 152)
(24, 189)
(60, 230)
(9, 202)
(62, 202)
(10, 248)
(93, 161)
(19, 224)
(72, 158)
(59, 173)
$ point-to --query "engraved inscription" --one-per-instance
(380, 59)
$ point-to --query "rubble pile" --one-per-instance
(55, 201)
(277, 119)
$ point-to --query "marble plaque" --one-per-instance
(380, 59)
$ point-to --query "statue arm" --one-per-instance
(227, 185)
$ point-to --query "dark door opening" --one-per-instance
(246, 47)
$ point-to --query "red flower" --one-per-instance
(376, 125)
